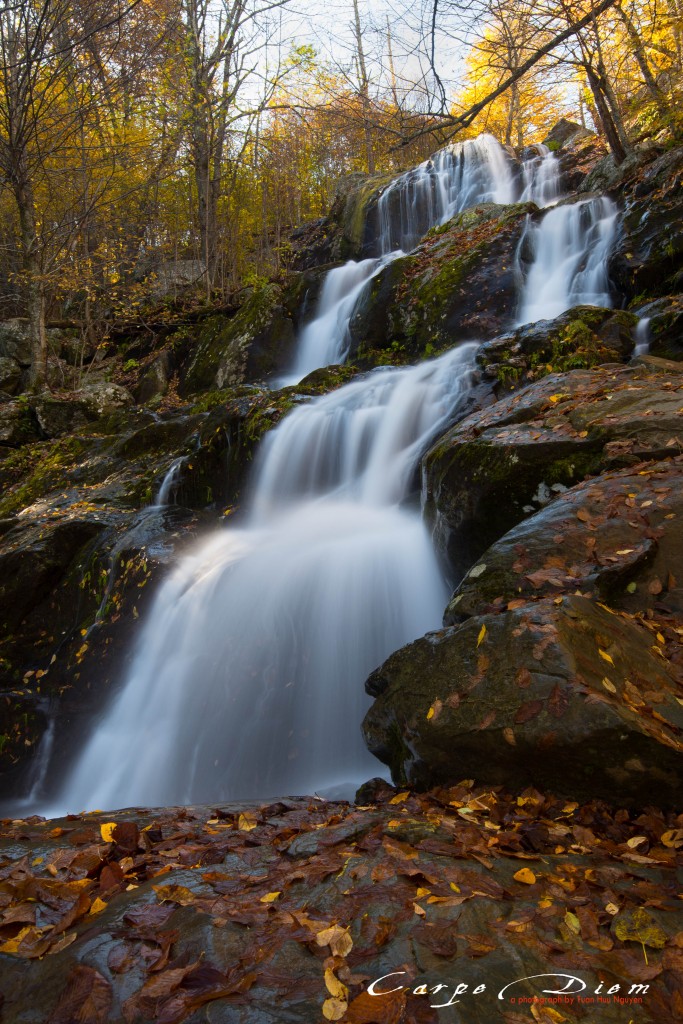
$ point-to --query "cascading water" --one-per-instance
(248, 679)
(326, 339)
(569, 251)
(476, 171)
(541, 177)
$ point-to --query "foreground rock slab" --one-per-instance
(291, 910)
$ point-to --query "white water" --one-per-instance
(642, 346)
(541, 178)
(248, 678)
(169, 485)
(476, 171)
(326, 339)
(570, 247)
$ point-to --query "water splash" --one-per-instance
(248, 677)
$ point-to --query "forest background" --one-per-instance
(150, 143)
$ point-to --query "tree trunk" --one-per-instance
(609, 128)
(364, 92)
(23, 194)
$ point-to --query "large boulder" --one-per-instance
(459, 284)
(251, 345)
(562, 694)
(500, 464)
(616, 537)
(10, 375)
(17, 426)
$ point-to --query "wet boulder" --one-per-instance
(615, 538)
(648, 258)
(561, 694)
(499, 465)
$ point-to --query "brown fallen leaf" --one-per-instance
(86, 998)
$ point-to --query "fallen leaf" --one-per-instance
(525, 875)
(482, 634)
(107, 831)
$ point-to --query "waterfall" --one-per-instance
(326, 339)
(541, 177)
(248, 676)
(569, 251)
(642, 346)
(476, 171)
(169, 485)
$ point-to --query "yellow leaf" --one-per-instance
(106, 831)
(482, 634)
(674, 838)
(612, 908)
(12, 945)
(334, 985)
(430, 713)
(638, 926)
(609, 685)
(97, 906)
(454, 887)
(38, 860)
(270, 897)
(556, 398)
(422, 892)
(605, 656)
(572, 922)
(635, 841)
(337, 938)
(247, 822)
(174, 894)
(420, 911)
(334, 1009)
(525, 875)
(399, 798)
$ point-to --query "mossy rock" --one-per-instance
(498, 465)
(520, 699)
(251, 345)
(580, 338)
(457, 285)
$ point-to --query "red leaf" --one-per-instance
(528, 711)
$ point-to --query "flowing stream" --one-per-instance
(248, 676)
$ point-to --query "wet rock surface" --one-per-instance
(560, 693)
(581, 338)
(291, 909)
(617, 537)
(497, 466)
